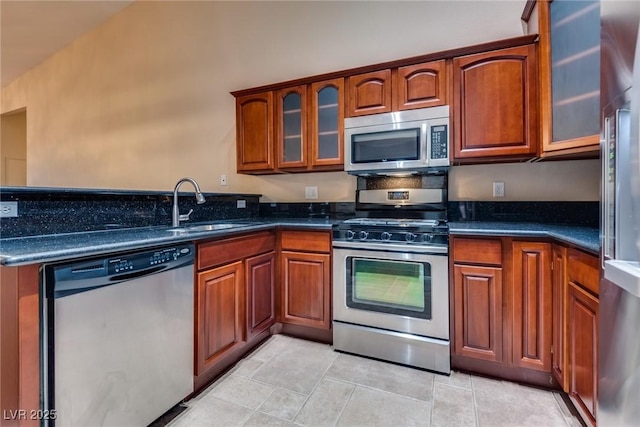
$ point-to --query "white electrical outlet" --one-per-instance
(241, 204)
(8, 209)
(498, 189)
(223, 179)
(311, 192)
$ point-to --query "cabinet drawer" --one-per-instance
(583, 269)
(223, 251)
(306, 241)
(477, 251)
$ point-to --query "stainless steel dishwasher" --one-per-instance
(118, 337)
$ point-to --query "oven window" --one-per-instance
(388, 286)
(392, 145)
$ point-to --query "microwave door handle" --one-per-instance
(425, 144)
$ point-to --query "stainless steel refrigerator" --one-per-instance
(619, 329)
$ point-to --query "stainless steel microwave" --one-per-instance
(402, 141)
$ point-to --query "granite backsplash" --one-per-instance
(55, 211)
(584, 214)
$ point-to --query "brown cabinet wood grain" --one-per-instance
(369, 93)
(260, 293)
(502, 307)
(532, 305)
(495, 105)
(219, 313)
(582, 337)
(255, 133)
(19, 342)
(306, 289)
(478, 312)
(559, 279)
(326, 125)
(291, 128)
(570, 83)
(582, 332)
(420, 86)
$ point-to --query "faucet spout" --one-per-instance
(176, 217)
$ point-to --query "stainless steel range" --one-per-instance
(390, 273)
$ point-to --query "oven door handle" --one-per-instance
(392, 247)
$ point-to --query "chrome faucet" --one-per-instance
(177, 217)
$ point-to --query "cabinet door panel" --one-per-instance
(327, 124)
(583, 350)
(495, 101)
(421, 86)
(260, 291)
(254, 133)
(532, 305)
(570, 76)
(291, 127)
(306, 289)
(478, 312)
(559, 284)
(219, 314)
(369, 93)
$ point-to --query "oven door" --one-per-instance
(395, 287)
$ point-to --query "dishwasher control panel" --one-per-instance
(145, 260)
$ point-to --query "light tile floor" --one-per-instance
(292, 382)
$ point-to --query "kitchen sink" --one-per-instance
(202, 227)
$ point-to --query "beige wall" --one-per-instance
(144, 99)
(577, 180)
(13, 148)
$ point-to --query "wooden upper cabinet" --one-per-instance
(291, 127)
(369, 93)
(569, 77)
(326, 113)
(420, 86)
(495, 105)
(254, 133)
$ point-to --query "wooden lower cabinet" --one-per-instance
(501, 304)
(306, 289)
(582, 288)
(260, 292)
(583, 350)
(219, 314)
(559, 361)
(478, 312)
(19, 344)
(532, 305)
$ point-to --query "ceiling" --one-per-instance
(31, 31)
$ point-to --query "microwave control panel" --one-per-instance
(439, 142)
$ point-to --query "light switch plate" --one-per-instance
(311, 192)
(8, 209)
(241, 204)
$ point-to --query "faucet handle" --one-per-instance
(185, 217)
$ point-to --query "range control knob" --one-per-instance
(349, 235)
(385, 236)
(363, 235)
(427, 238)
(410, 237)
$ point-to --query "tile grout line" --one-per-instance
(476, 418)
(313, 390)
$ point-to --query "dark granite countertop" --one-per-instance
(585, 238)
(59, 247)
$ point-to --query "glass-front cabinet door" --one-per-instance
(291, 128)
(570, 75)
(327, 124)
(389, 286)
